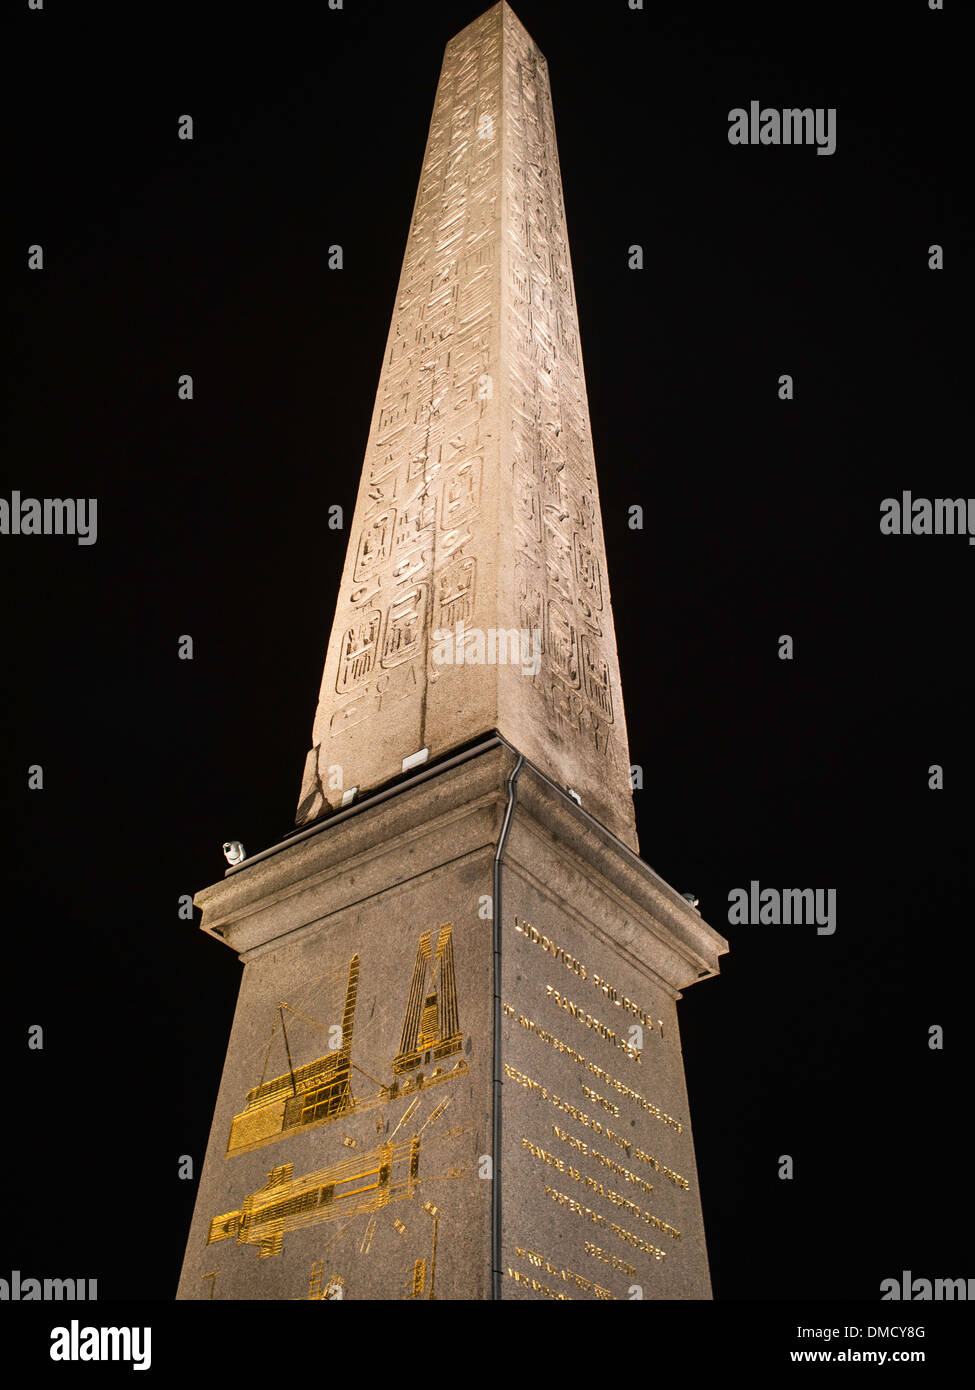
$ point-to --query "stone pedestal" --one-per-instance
(455, 1068)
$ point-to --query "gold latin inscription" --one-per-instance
(537, 1286)
(638, 1241)
(627, 1005)
(617, 1085)
(565, 1201)
(597, 1157)
(570, 962)
(526, 930)
(649, 1159)
(589, 1215)
(607, 1105)
(612, 1260)
(594, 1185)
(658, 1167)
(551, 1159)
(587, 1020)
(540, 1262)
(536, 1088)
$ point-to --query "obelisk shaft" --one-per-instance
(474, 594)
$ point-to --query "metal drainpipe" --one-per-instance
(496, 1137)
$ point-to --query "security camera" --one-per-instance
(234, 851)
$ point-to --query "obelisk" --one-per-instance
(455, 1069)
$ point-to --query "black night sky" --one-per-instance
(165, 257)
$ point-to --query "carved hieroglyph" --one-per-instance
(477, 510)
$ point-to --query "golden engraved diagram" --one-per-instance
(322, 1290)
(321, 1091)
(387, 1174)
(431, 1029)
(341, 1191)
(420, 1282)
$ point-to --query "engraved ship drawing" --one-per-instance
(284, 1203)
(352, 1187)
(320, 1091)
